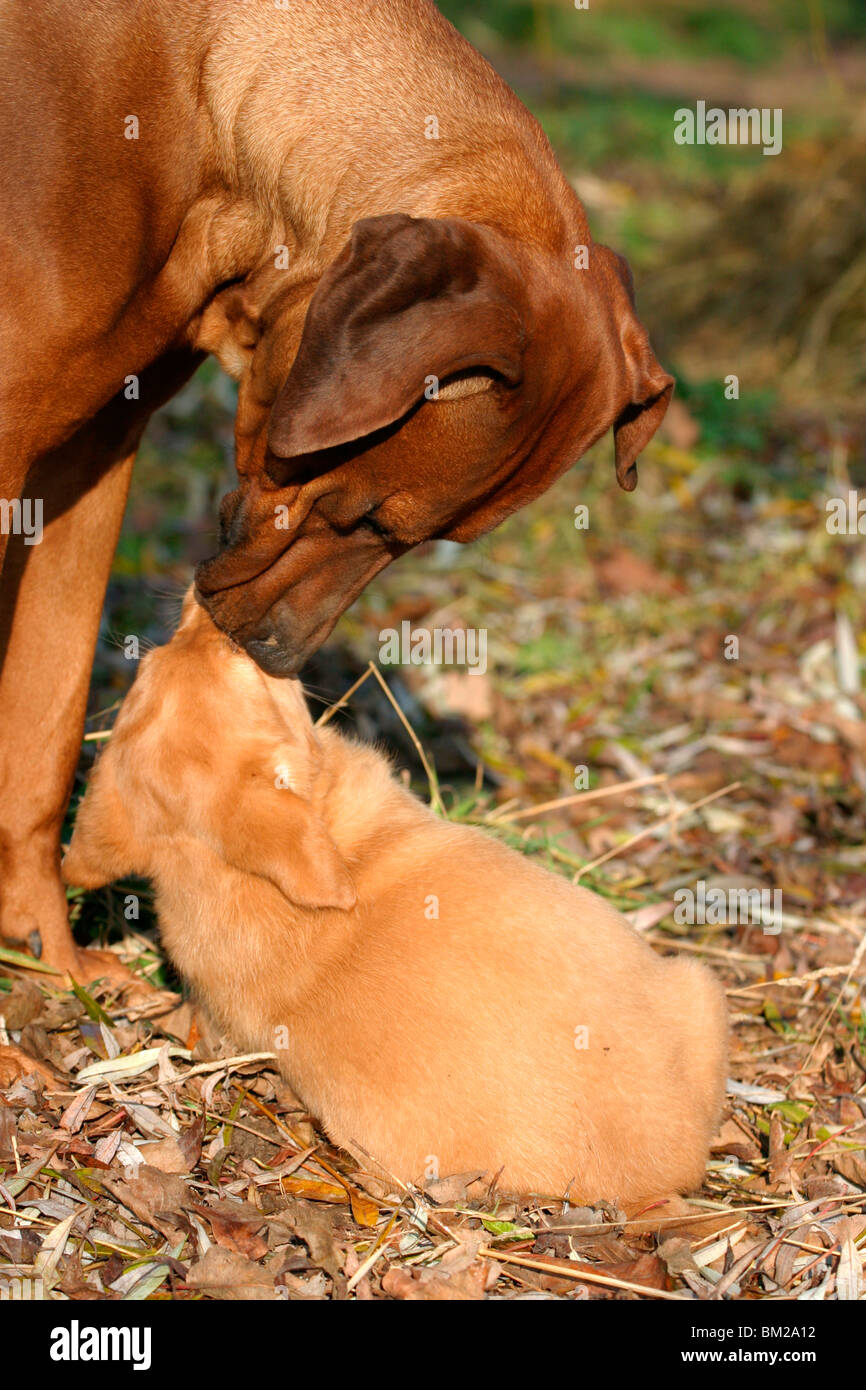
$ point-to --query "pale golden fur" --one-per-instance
(303, 916)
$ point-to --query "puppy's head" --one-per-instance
(207, 748)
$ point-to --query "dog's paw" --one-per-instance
(86, 965)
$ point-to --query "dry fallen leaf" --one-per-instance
(315, 1227)
(15, 1064)
(454, 1190)
(440, 1285)
(21, 1005)
(178, 1155)
(156, 1198)
(226, 1274)
(237, 1227)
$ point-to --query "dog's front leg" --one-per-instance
(50, 605)
(52, 595)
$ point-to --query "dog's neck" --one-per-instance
(363, 803)
(345, 114)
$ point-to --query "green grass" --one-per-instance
(748, 33)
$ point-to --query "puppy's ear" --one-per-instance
(261, 828)
(406, 299)
(103, 846)
(650, 387)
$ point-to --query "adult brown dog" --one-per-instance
(430, 993)
(346, 205)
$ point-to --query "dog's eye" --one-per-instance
(472, 382)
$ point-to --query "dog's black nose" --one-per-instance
(272, 657)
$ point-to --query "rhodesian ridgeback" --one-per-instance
(347, 206)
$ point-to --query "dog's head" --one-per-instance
(209, 749)
(446, 375)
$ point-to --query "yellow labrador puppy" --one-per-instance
(434, 997)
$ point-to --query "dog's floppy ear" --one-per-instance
(407, 298)
(636, 425)
(103, 845)
(263, 828)
(650, 386)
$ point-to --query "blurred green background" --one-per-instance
(604, 641)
